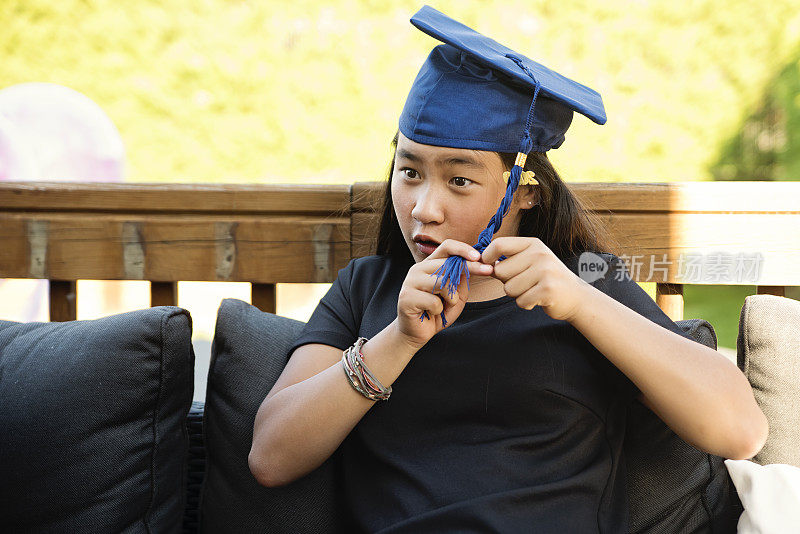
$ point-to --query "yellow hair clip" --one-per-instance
(527, 178)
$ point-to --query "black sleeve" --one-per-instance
(618, 284)
(334, 321)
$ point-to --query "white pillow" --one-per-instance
(770, 495)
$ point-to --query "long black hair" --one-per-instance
(559, 219)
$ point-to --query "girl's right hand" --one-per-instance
(417, 294)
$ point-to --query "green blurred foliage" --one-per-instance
(268, 91)
(767, 145)
(719, 305)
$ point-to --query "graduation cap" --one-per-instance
(472, 92)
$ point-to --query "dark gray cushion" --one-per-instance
(248, 354)
(92, 423)
(768, 352)
(672, 486)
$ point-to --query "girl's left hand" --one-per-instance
(535, 276)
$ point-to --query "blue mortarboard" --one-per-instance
(472, 92)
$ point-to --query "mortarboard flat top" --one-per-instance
(492, 54)
(475, 93)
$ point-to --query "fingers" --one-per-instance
(419, 301)
(529, 299)
(426, 279)
(434, 284)
(451, 247)
(511, 267)
(500, 246)
(433, 304)
(474, 267)
(522, 282)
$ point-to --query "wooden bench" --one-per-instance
(269, 234)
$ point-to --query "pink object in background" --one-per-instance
(49, 132)
(61, 133)
(16, 156)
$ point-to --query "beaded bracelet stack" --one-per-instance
(359, 376)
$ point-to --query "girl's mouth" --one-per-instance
(426, 246)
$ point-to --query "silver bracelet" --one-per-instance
(353, 362)
(359, 375)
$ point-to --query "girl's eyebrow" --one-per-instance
(443, 161)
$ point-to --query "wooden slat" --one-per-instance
(366, 202)
(700, 248)
(669, 298)
(364, 234)
(709, 197)
(368, 196)
(779, 291)
(174, 198)
(676, 197)
(163, 294)
(63, 300)
(267, 249)
(264, 297)
(666, 247)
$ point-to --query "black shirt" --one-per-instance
(506, 421)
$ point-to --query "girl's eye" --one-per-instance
(412, 174)
(403, 170)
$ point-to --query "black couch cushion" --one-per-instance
(249, 352)
(92, 423)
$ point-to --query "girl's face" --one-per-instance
(449, 193)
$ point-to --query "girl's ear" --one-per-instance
(526, 196)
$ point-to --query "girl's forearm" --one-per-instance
(696, 391)
(303, 424)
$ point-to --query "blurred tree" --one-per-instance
(767, 146)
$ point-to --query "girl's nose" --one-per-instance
(428, 207)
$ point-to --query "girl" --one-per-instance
(503, 370)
